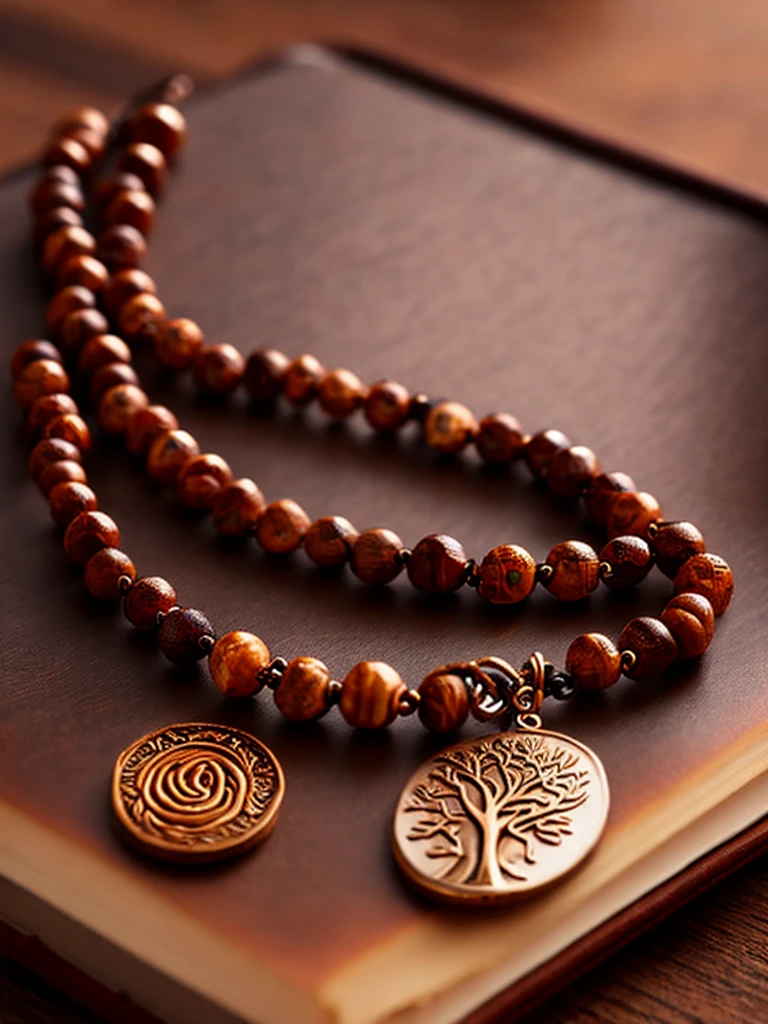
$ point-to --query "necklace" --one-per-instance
(488, 817)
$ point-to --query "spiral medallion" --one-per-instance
(197, 793)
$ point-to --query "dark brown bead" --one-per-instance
(108, 188)
(438, 564)
(30, 352)
(54, 220)
(72, 428)
(341, 393)
(69, 499)
(147, 423)
(65, 302)
(281, 526)
(53, 450)
(87, 534)
(449, 427)
(83, 117)
(377, 557)
(131, 206)
(161, 125)
(541, 448)
(673, 543)
(168, 453)
(631, 512)
(217, 369)
(630, 560)
(101, 350)
(691, 621)
(146, 162)
(117, 406)
(265, 371)
(708, 575)
(302, 379)
(79, 327)
(594, 661)
(576, 570)
(43, 377)
(141, 317)
(387, 405)
(500, 438)
(599, 491)
(121, 247)
(68, 152)
(236, 663)
(444, 701)
(177, 342)
(63, 245)
(237, 507)
(329, 541)
(304, 690)
(571, 470)
(652, 644)
(107, 572)
(85, 271)
(52, 192)
(181, 633)
(61, 472)
(148, 596)
(507, 574)
(200, 480)
(123, 285)
(47, 408)
(109, 376)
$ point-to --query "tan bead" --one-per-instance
(371, 694)
(43, 377)
(67, 301)
(281, 526)
(341, 393)
(29, 352)
(61, 472)
(691, 621)
(87, 534)
(571, 470)
(387, 406)
(673, 543)
(107, 572)
(329, 541)
(200, 480)
(507, 574)
(708, 575)
(79, 327)
(68, 499)
(237, 507)
(101, 350)
(541, 448)
(117, 406)
(147, 423)
(444, 702)
(652, 645)
(265, 372)
(631, 512)
(141, 317)
(148, 596)
(72, 428)
(576, 570)
(131, 206)
(121, 247)
(217, 369)
(63, 244)
(47, 451)
(302, 379)
(123, 285)
(500, 438)
(161, 125)
(449, 427)
(47, 408)
(177, 342)
(83, 271)
(630, 560)
(377, 557)
(594, 661)
(438, 565)
(304, 690)
(235, 662)
(146, 162)
(168, 453)
(109, 376)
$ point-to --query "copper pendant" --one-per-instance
(197, 793)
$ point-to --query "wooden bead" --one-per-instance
(377, 557)
(31, 352)
(177, 342)
(83, 117)
(651, 643)
(79, 327)
(72, 428)
(341, 393)
(123, 285)
(387, 406)
(631, 512)
(237, 507)
(117, 406)
(444, 702)
(576, 570)
(281, 526)
(87, 533)
(141, 317)
(109, 376)
(67, 301)
(217, 369)
(121, 247)
(438, 565)
(571, 470)
(507, 574)
(449, 427)
(68, 152)
(235, 662)
(43, 377)
(302, 379)
(304, 690)
(161, 125)
(594, 661)
(147, 423)
(54, 220)
(69, 499)
(94, 142)
(61, 472)
(84, 271)
(708, 575)
(371, 693)
(329, 541)
(200, 480)
(60, 246)
(168, 453)
(673, 543)
(107, 188)
(146, 162)
(131, 206)
(265, 371)
(54, 450)
(101, 350)
(47, 408)
(181, 633)
(53, 191)
(148, 596)
(541, 448)
(630, 560)
(690, 619)
(107, 572)
(500, 438)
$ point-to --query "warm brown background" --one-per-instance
(687, 80)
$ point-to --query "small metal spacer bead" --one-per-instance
(605, 569)
(653, 529)
(409, 702)
(333, 695)
(273, 673)
(544, 571)
(124, 584)
(206, 643)
(628, 660)
(420, 407)
(404, 556)
(161, 614)
(473, 574)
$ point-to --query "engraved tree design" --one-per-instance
(484, 806)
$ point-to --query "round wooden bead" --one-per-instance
(68, 152)
(161, 125)
(107, 187)
(631, 512)
(691, 621)
(123, 285)
(72, 428)
(594, 661)
(444, 702)
(281, 526)
(59, 186)
(79, 327)
(541, 448)
(651, 643)
(117, 406)
(507, 574)
(87, 534)
(571, 470)
(63, 244)
(102, 350)
(94, 142)
(449, 427)
(53, 220)
(265, 371)
(131, 206)
(31, 352)
(106, 573)
(168, 453)
(51, 450)
(673, 543)
(304, 690)
(500, 438)
(147, 423)
(145, 598)
(141, 317)
(109, 376)
(708, 575)
(387, 406)
(83, 271)
(217, 369)
(371, 693)
(302, 379)
(83, 117)
(630, 560)
(146, 162)
(177, 342)
(235, 662)
(43, 377)
(67, 301)
(329, 541)
(237, 507)
(69, 499)
(438, 564)
(180, 635)
(47, 408)
(121, 247)
(341, 393)
(200, 480)
(576, 570)
(61, 472)
(376, 557)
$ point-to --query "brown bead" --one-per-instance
(438, 565)
(145, 425)
(168, 453)
(87, 533)
(43, 377)
(371, 693)
(217, 369)
(691, 621)
(304, 690)
(387, 405)
(148, 596)
(161, 125)
(67, 301)
(444, 701)
(72, 428)
(449, 427)
(651, 643)
(631, 512)
(673, 543)
(56, 175)
(54, 220)
(594, 661)
(146, 162)
(51, 192)
(377, 557)
(302, 379)
(101, 350)
(200, 480)
(117, 405)
(123, 285)
(79, 327)
(181, 634)
(177, 342)
(109, 376)
(708, 575)
(630, 560)
(281, 526)
(599, 491)
(68, 152)
(61, 472)
(48, 451)
(69, 499)
(94, 142)
(106, 573)
(541, 448)
(31, 352)
(507, 574)
(237, 507)
(83, 117)
(62, 245)
(265, 371)
(141, 317)
(571, 470)
(500, 438)
(85, 271)
(121, 247)
(47, 408)
(235, 662)
(576, 570)
(329, 541)
(108, 187)
(131, 206)
(341, 393)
